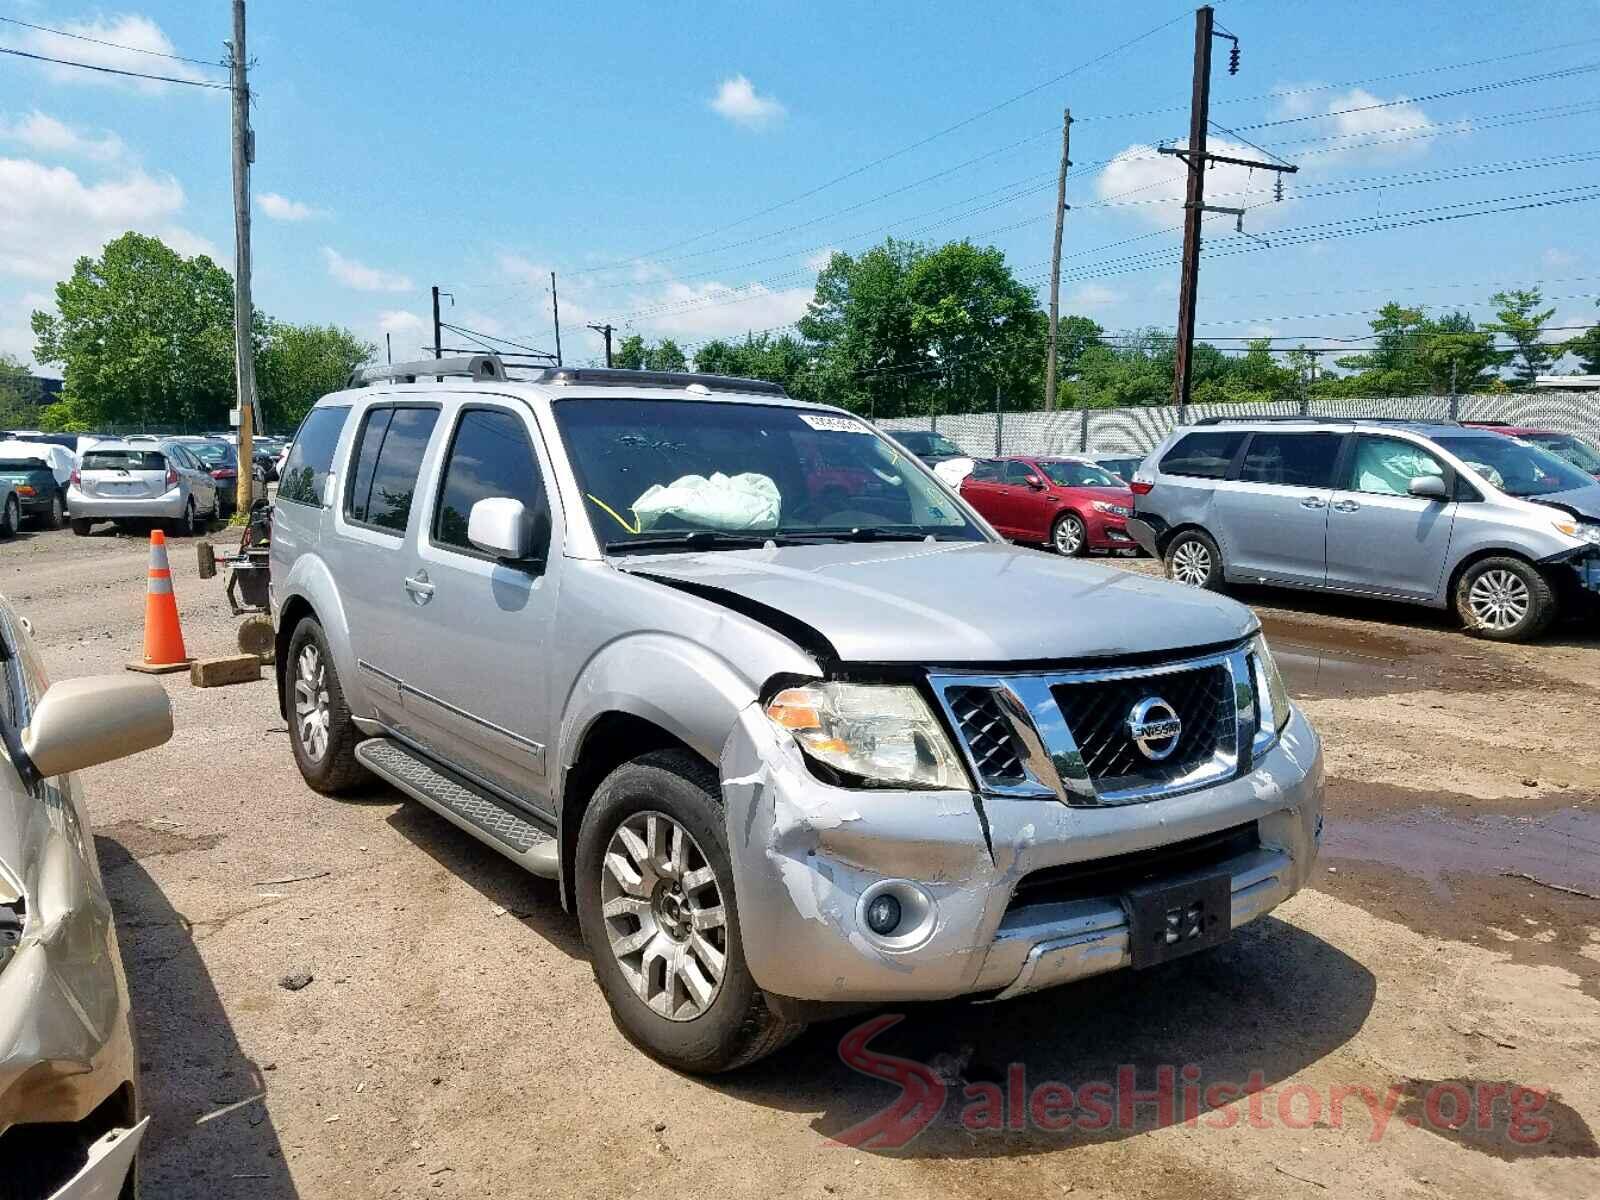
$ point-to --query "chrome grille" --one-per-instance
(1097, 714)
(987, 734)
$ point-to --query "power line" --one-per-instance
(67, 62)
(81, 37)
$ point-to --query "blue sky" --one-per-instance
(632, 147)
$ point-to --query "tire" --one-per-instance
(81, 526)
(11, 517)
(187, 525)
(1069, 536)
(328, 764)
(57, 516)
(1505, 599)
(1193, 559)
(677, 794)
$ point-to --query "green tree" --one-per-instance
(1455, 353)
(636, 354)
(1394, 366)
(301, 363)
(1522, 321)
(784, 359)
(16, 406)
(143, 335)
(1586, 348)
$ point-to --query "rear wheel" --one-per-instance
(657, 909)
(1505, 599)
(1193, 559)
(57, 516)
(11, 517)
(81, 527)
(1068, 536)
(323, 736)
(189, 524)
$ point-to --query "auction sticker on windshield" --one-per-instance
(828, 424)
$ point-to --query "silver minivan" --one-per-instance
(1437, 514)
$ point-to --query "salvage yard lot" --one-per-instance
(451, 1040)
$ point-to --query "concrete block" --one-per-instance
(215, 672)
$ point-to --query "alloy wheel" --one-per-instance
(1069, 536)
(311, 708)
(1499, 599)
(664, 915)
(1191, 564)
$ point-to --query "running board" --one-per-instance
(491, 821)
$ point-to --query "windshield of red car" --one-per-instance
(1578, 453)
(1076, 474)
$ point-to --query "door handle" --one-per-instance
(1346, 506)
(1313, 502)
(419, 587)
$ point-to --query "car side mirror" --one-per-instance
(1429, 487)
(81, 723)
(506, 529)
(1035, 483)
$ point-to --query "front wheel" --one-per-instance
(1505, 599)
(323, 736)
(1194, 560)
(656, 905)
(1068, 536)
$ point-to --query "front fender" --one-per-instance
(310, 580)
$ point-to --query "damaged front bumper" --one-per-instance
(993, 890)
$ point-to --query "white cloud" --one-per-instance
(1152, 186)
(408, 333)
(131, 33)
(1556, 257)
(49, 217)
(281, 208)
(820, 260)
(362, 277)
(1090, 296)
(16, 328)
(1360, 126)
(43, 134)
(738, 101)
(705, 310)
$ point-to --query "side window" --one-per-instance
(388, 458)
(179, 458)
(1291, 459)
(305, 474)
(984, 471)
(489, 456)
(1203, 455)
(1386, 466)
(1017, 473)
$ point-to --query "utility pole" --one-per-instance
(1055, 262)
(555, 303)
(438, 340)
(244, 153)
(1198, 159)
(388, 347)
(608, 330)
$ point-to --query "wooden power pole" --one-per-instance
(244, 153)
(1055, 261)
(607, 330)
(555, 304)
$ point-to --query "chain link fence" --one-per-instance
(1120, 432)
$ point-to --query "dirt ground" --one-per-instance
(452, 1043)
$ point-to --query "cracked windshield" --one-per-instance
(707, 474)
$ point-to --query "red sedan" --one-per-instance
(1069, 503)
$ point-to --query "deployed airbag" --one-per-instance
(748, 501)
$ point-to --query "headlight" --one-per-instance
(1116, 510)
(881, 734)
(1584, 531)
(1272, 697)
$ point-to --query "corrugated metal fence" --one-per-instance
(1129, 431)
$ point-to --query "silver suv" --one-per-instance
(793, 728)
(1437, 514)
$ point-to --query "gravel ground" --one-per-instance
(451, 1041)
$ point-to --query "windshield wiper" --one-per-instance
(695, 539)
(860, 533)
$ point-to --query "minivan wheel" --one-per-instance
(1505, 599)
(1068, 536)
(321, 732)
(1193, 559)
(656, 905)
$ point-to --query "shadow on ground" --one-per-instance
(190, 1059)
(1273, 1001)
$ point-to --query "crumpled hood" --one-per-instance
(1584, 501)
(957, 602)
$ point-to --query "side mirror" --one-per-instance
(1429, 487)
(506, 529)
(1034, 482)
(82, 723)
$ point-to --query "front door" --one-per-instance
(473, 669)
(1380, 537)
(1273, 518)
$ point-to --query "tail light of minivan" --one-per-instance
(76, 478)
(172, 476)
(1141, 487)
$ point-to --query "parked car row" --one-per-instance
(1071, 505)
(1441, 514)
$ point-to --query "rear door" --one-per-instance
(1273, 517)
(194, 473)
(118, 473)
(984, 491)
(1381, 538)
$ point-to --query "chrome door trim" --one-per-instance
(533, 748)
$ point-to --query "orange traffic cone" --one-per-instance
(163, 639)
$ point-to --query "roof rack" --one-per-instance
(1326, 420)
(468, 366)
(623, 377)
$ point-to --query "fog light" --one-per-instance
(883, 914)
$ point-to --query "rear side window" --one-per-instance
(305, 474)
(123, 460)
(984, 471)
(1291, 459)
(388, 457)
(1203, 455)
(490, 456)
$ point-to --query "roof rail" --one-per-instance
(623, 377)
(468, 366)
(1326, 420)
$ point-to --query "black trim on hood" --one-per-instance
(806, 636)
